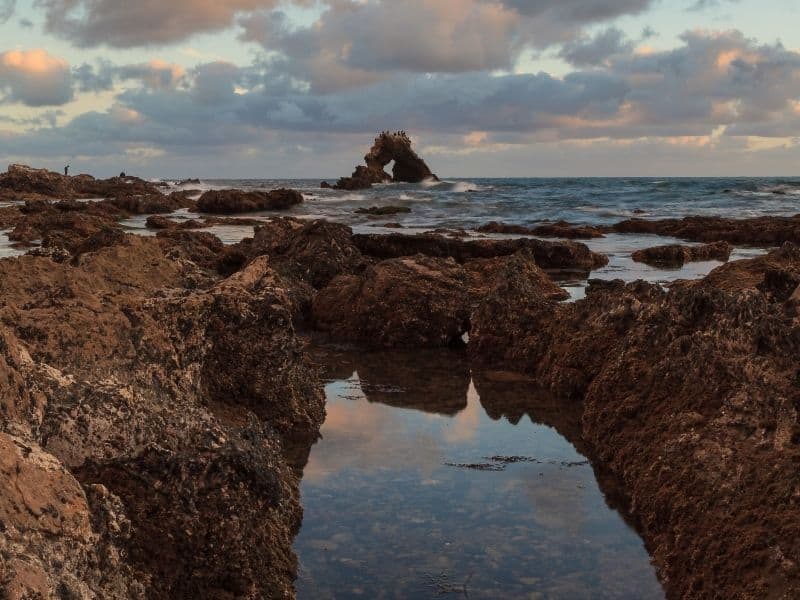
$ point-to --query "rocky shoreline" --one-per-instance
(151, 386)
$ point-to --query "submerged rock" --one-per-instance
(383, 210)
(388, 147)
(238, 201)
(676, 255)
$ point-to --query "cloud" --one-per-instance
(701, 5)
(34, 78)
(595, 51)
(713, 87)
(126, 23)
(357, 43)
(7, 8)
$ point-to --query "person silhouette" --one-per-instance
(66, 171)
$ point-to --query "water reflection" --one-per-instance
(386, 516)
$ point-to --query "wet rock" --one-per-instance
(676, 255)
(151, 204)
(238, 201)
(310, 251)
(776, 273)
(549, 255)
(383, 210)
(690, 397)
(757, 231)
(194, 181)
(388, 147)
(325, 185)
(200, 247)
(559, 229)
(21, 182)
(414, 301)
(427, 302)
(152, 413)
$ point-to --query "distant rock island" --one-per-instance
(408, 166)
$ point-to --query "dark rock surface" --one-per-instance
(549, 255)
(676, 255)
(559, 229)
(227, 202)
(383, 210)
(757, 231)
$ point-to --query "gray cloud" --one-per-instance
(579, 11)
(7, 8)
(34, 78)
(596, 50)
(126, 23)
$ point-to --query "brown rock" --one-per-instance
(238, 201)
(757, 231)
(676, 255)
(549, 255)
(559, 229)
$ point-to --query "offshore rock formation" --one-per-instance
(21, 182)
(676, 255)
(388, 147)
(144, 404)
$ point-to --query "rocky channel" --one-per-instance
(152, 387)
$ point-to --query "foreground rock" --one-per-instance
(388, 147)
(426, 302)
(758, 231)
(227, 202)
(690, 397)
(676, 255)
(21, 182)
(142, 417)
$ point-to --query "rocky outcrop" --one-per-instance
(549, 255)
(388, 147)
(425, 302)
(758, 231)
(21, 182)
(142, 417)
(227, 202)
(559, 229)
(676, 255)
(690, 397)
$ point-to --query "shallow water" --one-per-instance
(433, 481)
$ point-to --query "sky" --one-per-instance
(485, 88)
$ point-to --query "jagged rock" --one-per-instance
(690, 397)
(238, 201)
(21, 182)
(133, 394)
(311, 251)
(559, 229)
(425, 302)
(549, 255)
(676, 255)
(415, 301)
(388, 147)
(757, 231)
